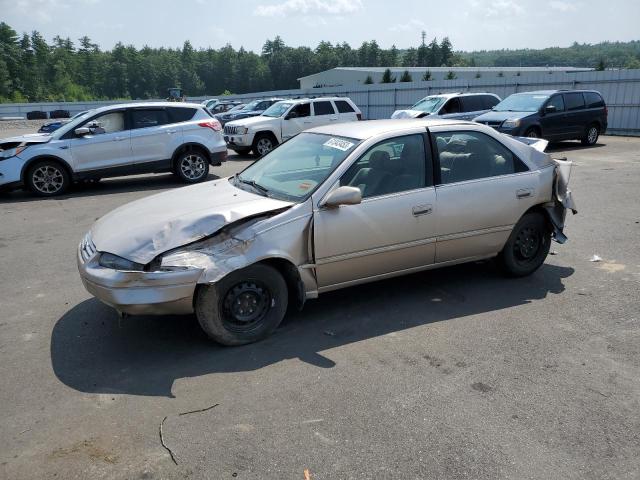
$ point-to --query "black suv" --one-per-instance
(551, 114)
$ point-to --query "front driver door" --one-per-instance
(107, 145)
(297, 120)
(393, 229)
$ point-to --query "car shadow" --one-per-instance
(92, 350)
(569, 146)
(107, 186)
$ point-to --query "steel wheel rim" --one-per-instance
(245, 306)
(528, 244)
(264, 146)
(532, 134)
(592, 136)
(193, 166)
(48, 179)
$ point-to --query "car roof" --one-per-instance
(371, 128)
(460, 94)
(148, 105)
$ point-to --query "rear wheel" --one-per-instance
(527, 246)
(47, 178)
(245, 306)
(192, 166)
(591, 135)
(263, 144)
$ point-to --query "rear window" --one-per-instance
(181, 114)
(472, 103)
(490, 101)
(344, 107)
(323, 108)
(593, 100)
(145, 118)
(573, 101)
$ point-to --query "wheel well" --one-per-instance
(291, 276)
(537, 128)
(27, 166)
(543, 211)
(266, 132)
(190, 147)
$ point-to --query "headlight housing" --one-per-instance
(511, 123)
(12, 152)
(243, 130)
(109, 260)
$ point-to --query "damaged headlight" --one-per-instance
(12, 152)
(109, 260)
(511, 123)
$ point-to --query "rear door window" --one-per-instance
(344, 107)
(145, 118)
(181, 114)
(593, 100)
(472, 103)
(323, 108)
(573, 101)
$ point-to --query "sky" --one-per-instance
(470, 24)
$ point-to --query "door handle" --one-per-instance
(307, 122)
(421, 210)
(523, 193)
(172, 131)
(119, 139)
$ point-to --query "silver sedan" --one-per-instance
(333, 207)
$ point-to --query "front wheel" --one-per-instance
(245, 306)
(527, 246)
(263, 144)
(192, 166)
(532, 133)
(48, 178)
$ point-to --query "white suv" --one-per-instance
(286, 119)
(113, 141)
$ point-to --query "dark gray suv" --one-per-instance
(551, 114)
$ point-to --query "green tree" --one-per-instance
(406, 77)
(427, 76)
(368, 80)
(450, 75)
(387, 77)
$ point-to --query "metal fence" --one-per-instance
(620, 89)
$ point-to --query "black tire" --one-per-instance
(591, 134)
(532, 132)
(245, 306)
(242, 151)
(47, 178)
(192, 166)
(263, 144)
(527, 246)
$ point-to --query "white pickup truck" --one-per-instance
(285, 119)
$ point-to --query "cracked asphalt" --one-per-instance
(456, 373)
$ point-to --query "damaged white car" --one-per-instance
(333, 207)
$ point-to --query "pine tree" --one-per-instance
(406, 77)
(387, 77)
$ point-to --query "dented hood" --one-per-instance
(141, 230)
(26, 139)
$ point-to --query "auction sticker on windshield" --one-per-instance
(339, 144)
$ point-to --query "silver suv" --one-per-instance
(114, 141)
(454, 106)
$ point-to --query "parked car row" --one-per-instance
(550, 114)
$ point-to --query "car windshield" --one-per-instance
(237, 107)
(429, 104)
(75, 121)
(521, 102)
(251, 105)
(296, 168)
(277, 109)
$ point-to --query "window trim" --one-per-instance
(436, 159)
(401, 192)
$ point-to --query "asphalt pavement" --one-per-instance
(457, 373)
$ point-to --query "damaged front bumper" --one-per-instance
(563, 199)
(138, 293)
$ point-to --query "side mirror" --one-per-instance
(292, 115)
(343, 196)
(82, 131)
(550, 109)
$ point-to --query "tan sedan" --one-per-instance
(333, 207)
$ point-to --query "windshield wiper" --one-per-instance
(256, 186)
